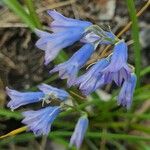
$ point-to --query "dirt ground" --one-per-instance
(21, 63)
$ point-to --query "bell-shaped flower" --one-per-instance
(23, 98)
(69, 69)
(118, 69)
(127, 90)
(62, 23)
(40, 121)
(53, 43)
(93, 78)
(53, 93)
(79, 132)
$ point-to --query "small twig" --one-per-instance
(77, 95)
(14, 132)
(145, 106)
(43, 143)
(13, 25)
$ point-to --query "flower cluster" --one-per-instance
(113, 68)
(40, 121)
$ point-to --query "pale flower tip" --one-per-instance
(46, 62)
(12, 109)
(128, 108)
(36, 31)
(55, 69)
(8, 90)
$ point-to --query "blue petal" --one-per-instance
(79, 132)
(93, 86)
(127, 90)
(47, 89)
(22, 98)
(118, 69)
(62, 23)
(92, 79)
(41, 33)
(119, 57)
(55, 42)
(69, 69)
(40, 121)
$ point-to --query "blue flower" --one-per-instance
(62, 23)
(93, 78)
(91, 37)
(69, 69)
(22, 98)
(53, 93)
(53, 43)
(79, 132)
(127, 90)
(40, 121)
(118, 69)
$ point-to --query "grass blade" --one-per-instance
(9, 114)
(33, 15)
(135, 36)
(18, 9)
(92, 135)
(145, 71)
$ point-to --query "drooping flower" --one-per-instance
(22, 98)
(69, 69)
(40, 121)
(53, 92)
(127, 90)
(93, 78)
(62, 23)
(79, 132)
(118, 69)
(53, 43)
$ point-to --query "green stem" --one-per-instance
(31, 8)
(135, 36)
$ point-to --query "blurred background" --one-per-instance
(21, 68)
